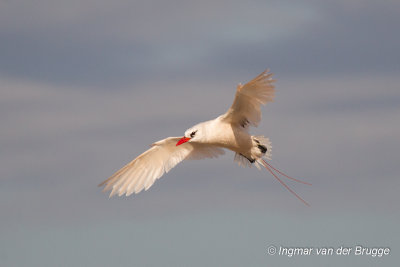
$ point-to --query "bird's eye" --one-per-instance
(193, 134)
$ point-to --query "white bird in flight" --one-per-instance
(207, 140)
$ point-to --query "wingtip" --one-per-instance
(268, 74)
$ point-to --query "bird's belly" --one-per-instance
(237, 141)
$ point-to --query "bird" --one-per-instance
(208, 139)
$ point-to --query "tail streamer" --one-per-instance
(294, 179)
(270, 168)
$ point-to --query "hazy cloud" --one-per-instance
(87, 85)
(104, 43)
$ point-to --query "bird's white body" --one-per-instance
(206, 140)
(220, 133)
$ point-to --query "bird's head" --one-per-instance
(191, 134)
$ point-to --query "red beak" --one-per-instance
(183, 140)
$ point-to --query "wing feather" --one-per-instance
(143, 171)
(246, 107)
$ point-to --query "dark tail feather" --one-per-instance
(266, 165)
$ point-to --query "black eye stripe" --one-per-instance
(193, 134)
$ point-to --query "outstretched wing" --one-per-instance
(143, 171)
(246, 109)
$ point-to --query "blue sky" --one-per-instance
(87, 85)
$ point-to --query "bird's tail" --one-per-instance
(262, 147)
(271, 169)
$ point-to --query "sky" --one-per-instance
(86, 86)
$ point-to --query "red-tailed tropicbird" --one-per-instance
(207, 140)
